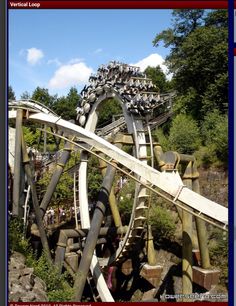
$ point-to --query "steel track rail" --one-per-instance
(129, 174)
(169, 183)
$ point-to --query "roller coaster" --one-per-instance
(138, 98)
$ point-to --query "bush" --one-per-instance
(126, 197)
(58, 289)
(163, 225)
(184, 135)
(214, 132)
(161, 139)
(218, 250)
(17, 241)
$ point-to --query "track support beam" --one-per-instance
(37, 211)
(187, 241)
(55, 178)
(201, 226)
(99, 213)
(18, 202)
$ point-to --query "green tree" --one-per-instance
(214, 132)
(183, 23)
(184, 134)
(158, 78)
(94, 178)
(64, 189)
(11, 94)
(198, 60)
(31, 136)
(109, 108)
(42, 95)
(66, 106)
(25, 95)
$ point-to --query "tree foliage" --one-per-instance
(11, 94)
(25, 95)
(66, 106)
(42, 95)
(94, 178)
(215, 134)
(158, 78)
(108, 109)
(184, 135)
(163, 225)
(64, 189)
(198, 60)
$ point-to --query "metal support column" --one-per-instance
(151, 255)
(37, 211)
(55, 177)
(112, 198)
(17, 209)
(102, 204)
(201, 226)
(187, 240)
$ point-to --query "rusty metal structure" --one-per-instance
(138, 98)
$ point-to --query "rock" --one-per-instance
(26, 271)
(149, 295)
(12, 283)
(15, 296)
(24, 286)
(14, 275)
(16, 292)
(17, 261)
(29, 297)
(40, 295)
(39, 283)
(27, 281)
(14, 264)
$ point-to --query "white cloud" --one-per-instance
(54, 61)
(34, 55)
(70, 74)
(153, 60)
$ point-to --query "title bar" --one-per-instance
(118, 4)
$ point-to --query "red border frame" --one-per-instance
(118, 4)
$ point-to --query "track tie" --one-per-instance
(141, 208)
(138, 228)
(141, 218)
(143, 196)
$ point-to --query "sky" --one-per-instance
(58, 49)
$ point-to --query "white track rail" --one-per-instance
(167, 182)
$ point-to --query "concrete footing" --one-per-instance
(205, 278)
(152, 274)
